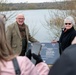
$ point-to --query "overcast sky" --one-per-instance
(31, 1)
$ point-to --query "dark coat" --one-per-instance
(66, 64)
(66, 39)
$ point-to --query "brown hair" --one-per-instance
(5, 50)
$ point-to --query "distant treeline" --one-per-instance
(46, 5)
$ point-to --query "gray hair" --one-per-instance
(19, 15)
(71, 19)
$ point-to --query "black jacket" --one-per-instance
(66, 64)
(66, 38)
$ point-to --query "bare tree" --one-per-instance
(9, 14)
(55, 24)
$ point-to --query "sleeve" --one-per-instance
(27, 67)
(74, 41)
(42, 68)
(31, 39)
(30, 69)
(73, 37)
(58, 41)
(9, 35)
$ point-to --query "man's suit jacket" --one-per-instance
(14, 37)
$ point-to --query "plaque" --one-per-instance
(49, 52)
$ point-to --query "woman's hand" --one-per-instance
(54, 41)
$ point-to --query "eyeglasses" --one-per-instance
(68, 23)
(20, 18)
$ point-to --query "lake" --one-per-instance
(36, 21)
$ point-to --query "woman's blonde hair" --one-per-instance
(5, 50)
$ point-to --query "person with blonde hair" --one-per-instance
(23, 66)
